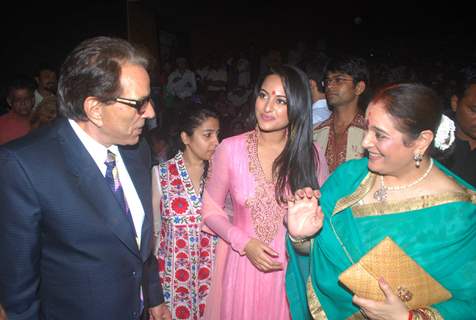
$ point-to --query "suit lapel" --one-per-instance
(140, 176)
(93, 186)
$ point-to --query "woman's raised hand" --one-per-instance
(305, 216)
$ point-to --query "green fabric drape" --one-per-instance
(438, 232)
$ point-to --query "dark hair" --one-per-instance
(415, 108)
(44, 67)
(315, 71)
(353, 66)
(93, 68)
(21, 82)
(464, 78)
(296, 165)
(189, 118)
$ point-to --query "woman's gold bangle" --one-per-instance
(298, 241)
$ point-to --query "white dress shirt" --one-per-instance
(99, 154)
(320, 112)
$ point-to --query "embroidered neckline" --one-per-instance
(187, 181)
(255, 164)
(267, 215)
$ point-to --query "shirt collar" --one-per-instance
(97, 151)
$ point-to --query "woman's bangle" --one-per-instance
(427, 313)
(298, 241)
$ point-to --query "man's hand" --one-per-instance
(160, 312)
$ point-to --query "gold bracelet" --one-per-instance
(426, 314)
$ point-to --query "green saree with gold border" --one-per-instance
(437, 231)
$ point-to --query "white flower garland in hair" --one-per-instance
(445, 135)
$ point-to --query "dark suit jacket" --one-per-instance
(66, 251)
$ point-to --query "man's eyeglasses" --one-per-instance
(337, 81)
(139, 105)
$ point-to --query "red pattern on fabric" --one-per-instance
(182, 255)
(173, 169)
(204, 273)
(182, 312)
(182, 275)
(185, 253)
(182, 291)
(180, 243)
(179, 205)
(161, 265)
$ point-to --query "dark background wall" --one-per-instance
(43, 32)
(38, 32)
(413, 27)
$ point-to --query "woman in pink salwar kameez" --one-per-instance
(257, 170)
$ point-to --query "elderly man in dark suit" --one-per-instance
(75, 198)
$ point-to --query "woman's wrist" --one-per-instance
(302, 246)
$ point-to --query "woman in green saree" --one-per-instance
(399, 191)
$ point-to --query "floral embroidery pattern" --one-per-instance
(266, 213)
(179, 205)
(185, 253)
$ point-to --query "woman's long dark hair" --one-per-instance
(296, 166)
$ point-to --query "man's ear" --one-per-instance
(9, 101)
(360, 87)
(454, 102)
(312, 84)
(93, 109)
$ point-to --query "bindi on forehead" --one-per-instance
(278, 93)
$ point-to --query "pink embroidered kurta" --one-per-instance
(185, 253)
(246, 292)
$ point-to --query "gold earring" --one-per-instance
(418, 158)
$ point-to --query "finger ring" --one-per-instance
(362, 311)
